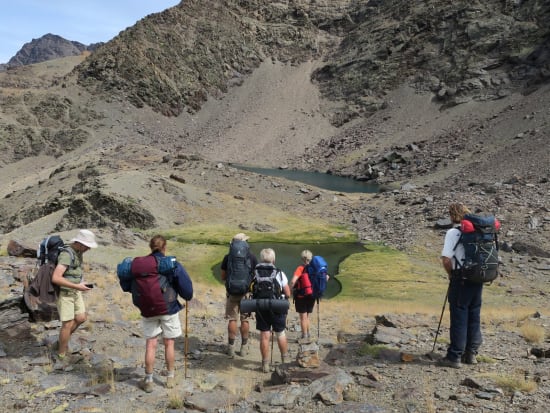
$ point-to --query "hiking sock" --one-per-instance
(265, 366)
(171, 373)
(231, 341)
(244, 341)
(148, 377)
(61, 356)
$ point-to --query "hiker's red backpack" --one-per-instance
(152, 290)
(302, 287)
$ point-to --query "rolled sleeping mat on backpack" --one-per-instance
(251, 305)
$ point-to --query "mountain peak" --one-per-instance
(49, 46)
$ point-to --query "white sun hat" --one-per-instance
(240, 237)
(85, 237)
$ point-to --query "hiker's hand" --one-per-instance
(82, 287)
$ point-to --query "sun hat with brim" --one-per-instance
(85, 237)
(240, 237)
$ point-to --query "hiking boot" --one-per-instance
(445, 362)
(146, 386)
(285, 358)
(469, 358)
(170, 382)
(244, 350)
(265, 367)
(231, 351)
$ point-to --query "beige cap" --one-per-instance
(240, 237)
(85, 237)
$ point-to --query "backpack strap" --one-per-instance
(459, 265)
(169, 275)
(71, 253)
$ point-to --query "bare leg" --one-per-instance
(245, 327)
(169, 353)
(264, 344)
(283, 344)
(150, 350)
(67, 329)
(232, 329)
(304, 324)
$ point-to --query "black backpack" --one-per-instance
(40, 295)
(49, 249)
(478, 235)
(239, 268)
(265, 284)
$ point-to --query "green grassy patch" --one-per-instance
(385, 274)
(372, 350)
(310, 231)
(198, 259)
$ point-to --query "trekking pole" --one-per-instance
(271, 362)
(186, 342)
(441, 318)
(318, 319)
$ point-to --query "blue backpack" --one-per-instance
(478, 235)
(166, 266)
(317, 271)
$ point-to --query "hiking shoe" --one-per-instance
(231, 351)
(146, 386)
(285, 358)
(244, 350)
(265, 367)
(469, 358)
(170, 382)
(445, 362)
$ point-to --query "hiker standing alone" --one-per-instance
(237, 269)
(68, 276)
(303, 293)
(464, 299)
(156, 296)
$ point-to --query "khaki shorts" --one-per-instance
(233, 310)
(168, 325)
(69, 304)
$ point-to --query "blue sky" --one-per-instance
(84, 21)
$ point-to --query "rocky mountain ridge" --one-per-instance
(47, 47)
(458, 51)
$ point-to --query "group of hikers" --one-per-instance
(270, 290)
(157, 280)
(260, 288)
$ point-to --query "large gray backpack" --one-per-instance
(239, 268)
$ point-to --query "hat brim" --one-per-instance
(86, 243)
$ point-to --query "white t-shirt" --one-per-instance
(282, 278)
(449, 251)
